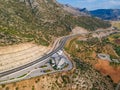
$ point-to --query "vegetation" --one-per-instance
(33, 88)
(88, 50)
(115, 41)
(117, 49)
(16, 88)
(43, 66)
(84, 54)
(114, 64)
(93, 78)
(83, 76)
(65, 79)
(3, 85)
(22, 75)
(81, 65)
(25, 23)
(48, 70)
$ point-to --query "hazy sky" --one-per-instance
(93, 4)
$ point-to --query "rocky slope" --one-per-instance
(39, 21)
(88, 49)
(73, 10)
(82, 77)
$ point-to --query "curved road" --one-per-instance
(61, 45)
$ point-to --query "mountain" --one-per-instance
(39, 21)
(106, 14)
(73, 10)
(84, 10)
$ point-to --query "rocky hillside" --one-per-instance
(107, 14)
(39, 21)
(82, 77)
(73, 10)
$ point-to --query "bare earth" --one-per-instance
(79, 30)
(104, 67)
(16, 55)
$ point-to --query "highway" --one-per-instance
(61, 45)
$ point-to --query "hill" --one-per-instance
(87, 51)
(82, 77)
(39, 21)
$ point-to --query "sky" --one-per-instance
(93, 4)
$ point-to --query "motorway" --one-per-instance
(61, 45)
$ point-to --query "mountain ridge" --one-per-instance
(106, 14)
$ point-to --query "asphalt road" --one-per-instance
(61, 45)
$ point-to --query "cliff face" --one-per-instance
(74, 11)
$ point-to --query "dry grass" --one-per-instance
(116, 24)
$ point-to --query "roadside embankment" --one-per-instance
(16, 55)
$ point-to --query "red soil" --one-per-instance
(105, 68)
(117, 41)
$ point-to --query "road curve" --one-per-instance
(61, 45)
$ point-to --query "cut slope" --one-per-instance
(16, 55)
